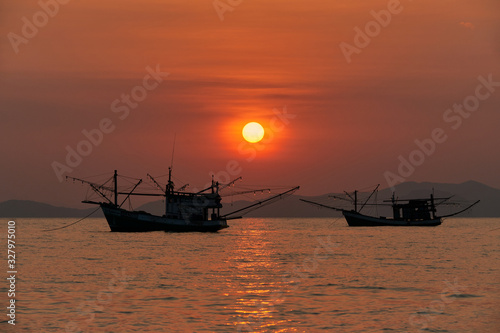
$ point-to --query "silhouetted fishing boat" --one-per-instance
(406, 212)
(184, 211)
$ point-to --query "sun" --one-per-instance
(253, 132)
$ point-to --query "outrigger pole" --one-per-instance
(321, 205)
(463, 210)
(128, 195)
(261, 202)
(353, 199)
(157, 184)
(94, 186)
(97, 188)
(375, 190)
(222, 186)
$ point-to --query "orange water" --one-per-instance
(259, 275)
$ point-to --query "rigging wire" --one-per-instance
(95, 176)
(69, 225)
(335, 220)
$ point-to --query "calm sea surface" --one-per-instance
(259, 275)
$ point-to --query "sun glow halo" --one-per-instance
(253, 132)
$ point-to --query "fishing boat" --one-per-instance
(406, 212)
(184, 211)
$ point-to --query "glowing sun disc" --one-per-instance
(253, 132)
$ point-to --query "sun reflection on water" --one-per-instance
(255, 282)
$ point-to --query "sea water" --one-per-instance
(259, 275)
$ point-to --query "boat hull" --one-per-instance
(359, 220)
(121, 220)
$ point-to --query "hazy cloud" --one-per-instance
(467, 25)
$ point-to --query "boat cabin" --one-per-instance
(414, 210)
(193, 207)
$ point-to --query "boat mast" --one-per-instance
(356, 201)
(115, 178)
(395, 209)
(169, 189)
(170, 184)
(433, 207)
(213, 184)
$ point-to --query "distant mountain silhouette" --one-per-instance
(292, 207)
(26, 208)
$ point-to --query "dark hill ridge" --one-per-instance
(26, 208)
(292, 207)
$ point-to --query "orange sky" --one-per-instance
(352, 120)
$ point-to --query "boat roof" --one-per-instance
(416, 199)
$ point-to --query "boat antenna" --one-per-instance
(173, 150)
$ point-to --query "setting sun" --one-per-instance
(253, 132)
